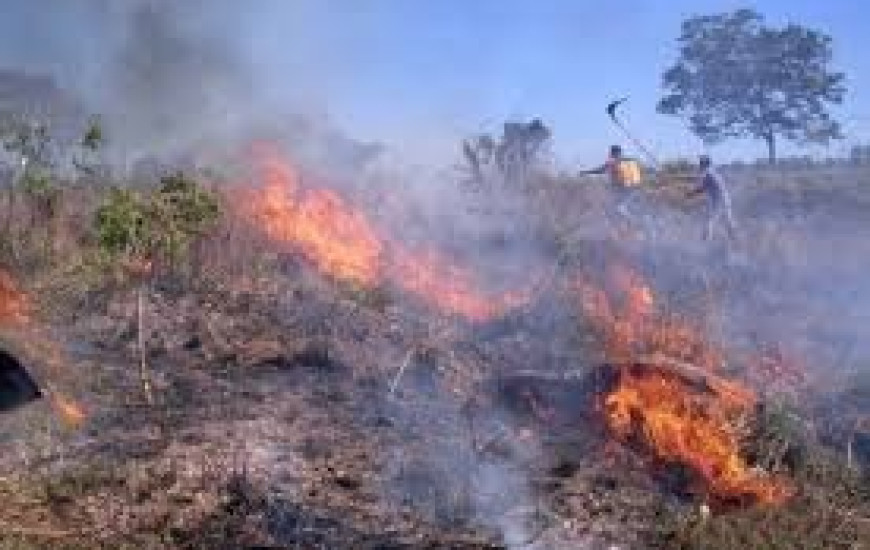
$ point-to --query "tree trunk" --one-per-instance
(771, 147)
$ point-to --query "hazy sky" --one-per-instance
(422, 71)
(420, 74)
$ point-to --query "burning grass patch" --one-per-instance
(669, 396)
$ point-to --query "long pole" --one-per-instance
(651, 157)
(611, 110)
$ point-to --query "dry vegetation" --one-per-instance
(238, 398)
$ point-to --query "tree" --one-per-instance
(87, 157)
(737, 77)
(511, 155)
(135, 229)
(40, 161)
(182, 210)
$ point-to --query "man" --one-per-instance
(624, 175)
(719, 203)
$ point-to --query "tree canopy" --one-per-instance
(737, 77)
(511, 154)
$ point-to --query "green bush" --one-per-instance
(122, 223)
(182, 211)
(159, 225)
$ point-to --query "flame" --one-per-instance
(624, 315)
(657, 395)
(697, 429)
(336, 239)
(341, 242)
(450, 288)
(14, 306)
(70, 411)
(15, 315)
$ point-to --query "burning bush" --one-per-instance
(668, 395)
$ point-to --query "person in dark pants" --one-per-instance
(710, 183)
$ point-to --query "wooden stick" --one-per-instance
(688, 371)
(401, 370)
(9, 529)
(140, 340)
(849, 452)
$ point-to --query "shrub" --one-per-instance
(159, 225)
(121, 223)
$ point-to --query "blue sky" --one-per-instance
(420, 74)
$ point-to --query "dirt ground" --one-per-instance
(291, 412)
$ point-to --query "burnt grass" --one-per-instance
(278, 424)
(276, 441)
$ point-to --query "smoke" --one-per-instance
(470, 468)
(172, 83)
(172, 78)
(793, 278)
(169, 79)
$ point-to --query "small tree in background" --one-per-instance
(135, 230)
(736, 77)
(509, 156)
(87, 158)
(41, 163)
(32, 143)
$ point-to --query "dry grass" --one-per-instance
(236, 305)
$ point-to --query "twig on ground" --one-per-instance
(395, 383)
(9, 529)
(144, 376)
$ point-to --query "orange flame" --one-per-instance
(678, 419)
(70, 411)
(338, 240)
(14, 307)
(341, 243)
(450, 288)
(15, 314)
(681, 424)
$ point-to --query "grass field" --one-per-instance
(278, 417)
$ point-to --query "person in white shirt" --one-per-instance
(711, 184)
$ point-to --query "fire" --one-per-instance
(336, 239)
(15, 315)
(669, 394)
(624, 315)
(70, 411)
(342, 243)
(697, 429)
(14, 307)
(450, 288)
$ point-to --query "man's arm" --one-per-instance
(699, 189)
(600, 170)
(695, 192)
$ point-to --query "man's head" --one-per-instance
(704, 162)
(615, 151)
